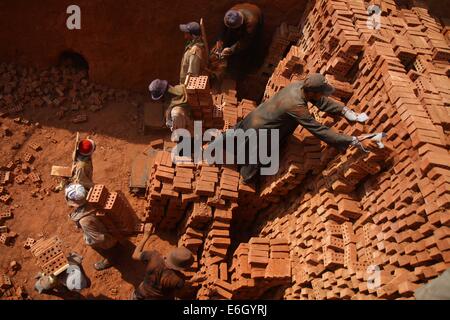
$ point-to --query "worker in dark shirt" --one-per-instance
(241, 36)
(163, 275)
(288, 108)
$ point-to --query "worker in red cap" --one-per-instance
(82, 169)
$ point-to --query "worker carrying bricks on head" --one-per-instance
(73, 279)
(241, 33)
(164, 276)
(288, 108)
(195, 58)
(82, 168)
(96, 235)
(178, 114)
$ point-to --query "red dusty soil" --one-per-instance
(115, 130)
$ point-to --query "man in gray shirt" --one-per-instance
(288, 108)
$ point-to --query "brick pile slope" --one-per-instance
(355, 213)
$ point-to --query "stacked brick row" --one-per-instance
(288, 69)
(370, 226)
(175, 189)
(113, 209)
(214, 256)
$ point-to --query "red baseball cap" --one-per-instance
(86, 147)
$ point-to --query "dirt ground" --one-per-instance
(116, 131)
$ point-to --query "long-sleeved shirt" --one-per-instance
(288, 109)
(241, 38)
(178, 112)
(194, 60)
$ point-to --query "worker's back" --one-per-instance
(159, 282)
(275, 112)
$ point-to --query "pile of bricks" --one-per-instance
(49, 256)
(65, 89)
(359, 218)
(176, 189)
(113, 209)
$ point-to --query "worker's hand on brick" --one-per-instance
(227, 52)
(197, 278)
(352, 116)
(148, 229)
(218, 47)
(369, 142)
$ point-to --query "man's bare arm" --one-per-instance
(148, 231)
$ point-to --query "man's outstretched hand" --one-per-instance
(149, 229)
(370, 145)
(352, 116)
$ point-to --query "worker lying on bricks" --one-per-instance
(436, 289)
(73, 279)
(288, 108)
(241, 34)
(178, 112)
(95, 233)
(82, 168)
(164, 275)
(194, 59)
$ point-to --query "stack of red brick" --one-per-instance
(172, 187)
(200, 99)
(213, 260)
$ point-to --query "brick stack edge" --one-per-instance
(327, 220)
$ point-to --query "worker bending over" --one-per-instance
(288, 108)
(164, 276)
(178, 113)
